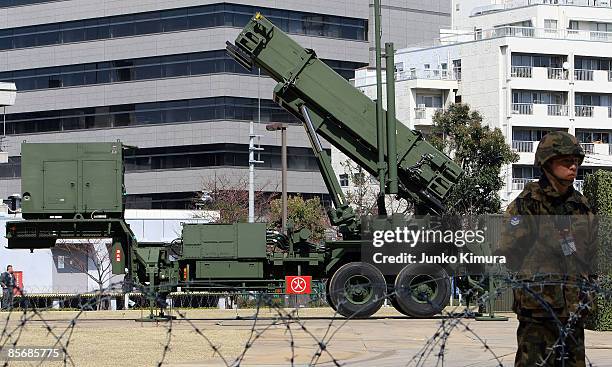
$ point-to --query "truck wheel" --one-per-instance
(357, 290)
(422, 290)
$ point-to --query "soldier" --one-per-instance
(548, 307)
(7, 281)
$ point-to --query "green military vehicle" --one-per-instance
(73, 191)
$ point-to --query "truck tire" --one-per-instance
(357, 290)
(422, 290)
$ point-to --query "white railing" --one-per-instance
(531, 32)
(584, 111)
(433, 74)
(523, 146)
(511, 31)
(557, 73)
(519, 183)
(522, 108)
(557, 110)
(520, 71)
(579, 185)
(587, 147)
(420, 113)
(590, 3)
(583, 74)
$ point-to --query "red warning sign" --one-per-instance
(117, 255)
(297, 284)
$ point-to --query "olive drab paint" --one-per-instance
(72, 180)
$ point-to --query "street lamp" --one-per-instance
(283, 128)
(8, 93)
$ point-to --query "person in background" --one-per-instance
(7, 280)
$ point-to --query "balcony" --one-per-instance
(519, 183)
(521, 71)
(524, 146)
(557, 110)
(431, 74)
(522, 108)
(584, 111)
(531, 32)
(557, 74)
(587, 147)
(583, 74)
(597, 148)
(424, 115)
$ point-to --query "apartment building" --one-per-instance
(529, 68)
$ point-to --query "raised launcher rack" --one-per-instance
(72, 180)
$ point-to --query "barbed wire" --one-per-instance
(434, 351)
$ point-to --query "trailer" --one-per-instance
(73, 191)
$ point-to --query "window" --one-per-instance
(528, 172)
(550, 23)
(593, 136)
(197, 63)
(528, 135)
(213, 15)
(344, 180)
(574, 25)
(181, 111)
(429, 101)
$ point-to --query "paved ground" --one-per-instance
(113, 338)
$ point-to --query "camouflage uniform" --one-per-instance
(547, 295)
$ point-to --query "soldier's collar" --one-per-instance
(548, 190)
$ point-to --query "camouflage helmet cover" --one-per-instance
(557, 143)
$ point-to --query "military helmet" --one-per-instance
(557, 143)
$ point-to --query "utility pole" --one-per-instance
(252, 163)
(283, 129)
(380, 123)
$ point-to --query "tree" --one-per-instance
(363, 189)
(480, 151)
(229, 197)
(308, 214)
(92, 258)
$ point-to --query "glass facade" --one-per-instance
(222, 154)
(197, 156)
(180, 19)
(152, 113)
(9, 3)
(180, 65)
(187, 200)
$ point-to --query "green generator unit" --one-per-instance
(74, 180)
(225, 251)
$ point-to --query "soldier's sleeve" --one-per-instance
(516, 235)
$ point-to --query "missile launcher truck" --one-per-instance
(74, 191)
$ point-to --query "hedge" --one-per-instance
(598, 190)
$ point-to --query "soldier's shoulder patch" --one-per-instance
(515, 220)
